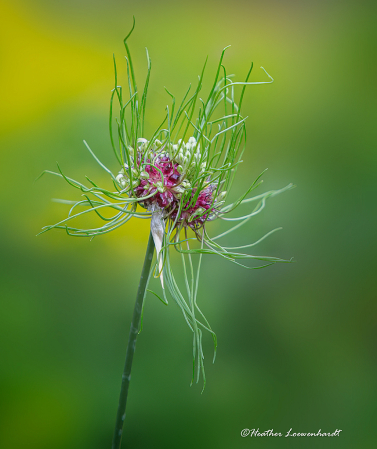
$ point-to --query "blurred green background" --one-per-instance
(297, 342)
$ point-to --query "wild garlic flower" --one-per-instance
(180, 176)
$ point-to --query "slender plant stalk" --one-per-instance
(135, 326)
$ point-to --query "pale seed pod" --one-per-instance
(221, 196)
(186, 184)
(178, 189)
(198, 211)
(141, 140)
(159, 186)
(121, 180)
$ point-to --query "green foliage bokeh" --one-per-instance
(295, 340)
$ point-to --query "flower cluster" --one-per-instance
(163, 174)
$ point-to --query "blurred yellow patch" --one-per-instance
(40, 69)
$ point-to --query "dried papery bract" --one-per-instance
(180, 176)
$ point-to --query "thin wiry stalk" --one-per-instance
(134, 330)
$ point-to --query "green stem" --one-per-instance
(135, 325)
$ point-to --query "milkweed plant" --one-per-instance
(179, 177)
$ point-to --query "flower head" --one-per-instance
(181, 177)
(164, 174)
